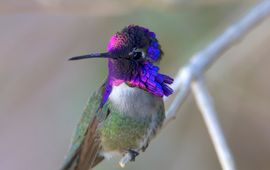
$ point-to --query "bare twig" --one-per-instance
(194, 70)
(192, 74)
(202, 60)
(184, 80)
(206, 106)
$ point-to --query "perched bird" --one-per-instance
(126, 112)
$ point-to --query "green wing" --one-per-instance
(80, 147)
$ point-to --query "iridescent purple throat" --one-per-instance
(146, 77)
(150, 80)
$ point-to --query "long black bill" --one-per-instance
(93, 55)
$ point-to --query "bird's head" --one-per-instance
(135, 43)
(133, 55)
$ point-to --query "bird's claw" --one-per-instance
(145, 147)
(133, 154)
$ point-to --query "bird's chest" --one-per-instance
(133, 102)
(131, 115)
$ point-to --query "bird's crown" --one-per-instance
(135, 42)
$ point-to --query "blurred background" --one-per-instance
(42, 94)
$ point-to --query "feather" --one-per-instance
(85, 147)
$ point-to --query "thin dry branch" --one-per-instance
(203, 59)
(206, 106)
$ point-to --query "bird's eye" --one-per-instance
(137, 55)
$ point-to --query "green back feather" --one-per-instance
(87, 116)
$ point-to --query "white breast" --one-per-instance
(133, 101)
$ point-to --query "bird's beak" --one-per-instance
(93, 55)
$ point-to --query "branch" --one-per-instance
(202, 60)
(206, 106)
(192, 75)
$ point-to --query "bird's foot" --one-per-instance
(133, 154)
(130, 155)
(145, 147)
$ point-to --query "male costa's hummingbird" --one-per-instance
(126, 112)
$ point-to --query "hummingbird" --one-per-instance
(126, 112)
